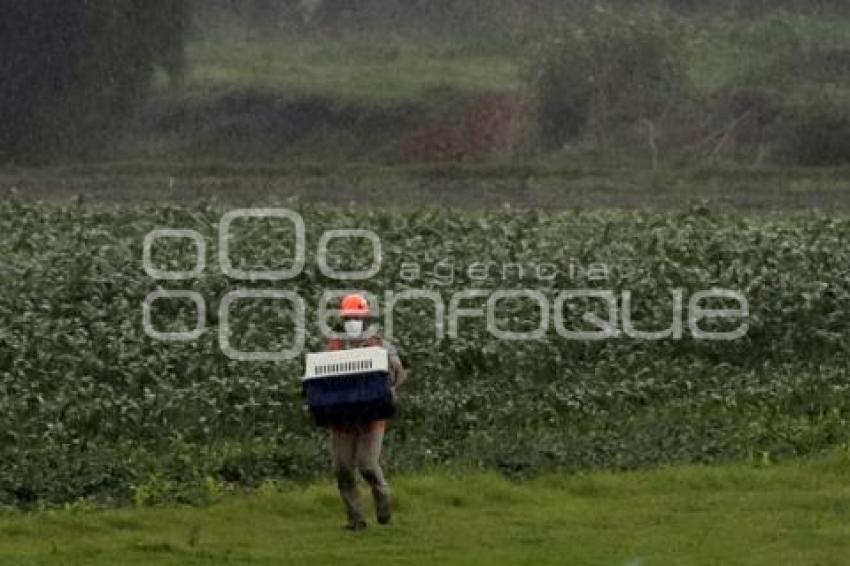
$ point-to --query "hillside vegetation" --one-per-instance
(637, 86)
(625, 87)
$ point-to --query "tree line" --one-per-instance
(72, 69)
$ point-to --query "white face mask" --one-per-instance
(354, 328)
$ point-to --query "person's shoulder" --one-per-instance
(381, 342)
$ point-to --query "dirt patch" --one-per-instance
(485, 125)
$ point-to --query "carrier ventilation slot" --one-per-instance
(344, 367)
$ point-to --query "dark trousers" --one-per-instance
(360, 449)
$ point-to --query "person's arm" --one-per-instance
(399, 374)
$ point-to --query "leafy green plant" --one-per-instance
(90, 406)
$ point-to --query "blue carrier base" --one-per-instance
(350, 399)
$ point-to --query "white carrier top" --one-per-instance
(346, 362)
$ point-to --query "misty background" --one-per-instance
(655, 84)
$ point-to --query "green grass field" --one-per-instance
(796, 513)
(384, 70)
(396, 68)
(531, 184)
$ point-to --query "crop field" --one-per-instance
(94, 408)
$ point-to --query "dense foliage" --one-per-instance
(648, 82)
(608, 70)
(92, 407)
(458, 16)
(73, 69)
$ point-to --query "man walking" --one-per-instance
(358, 446)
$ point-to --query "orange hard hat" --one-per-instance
(354, 305)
